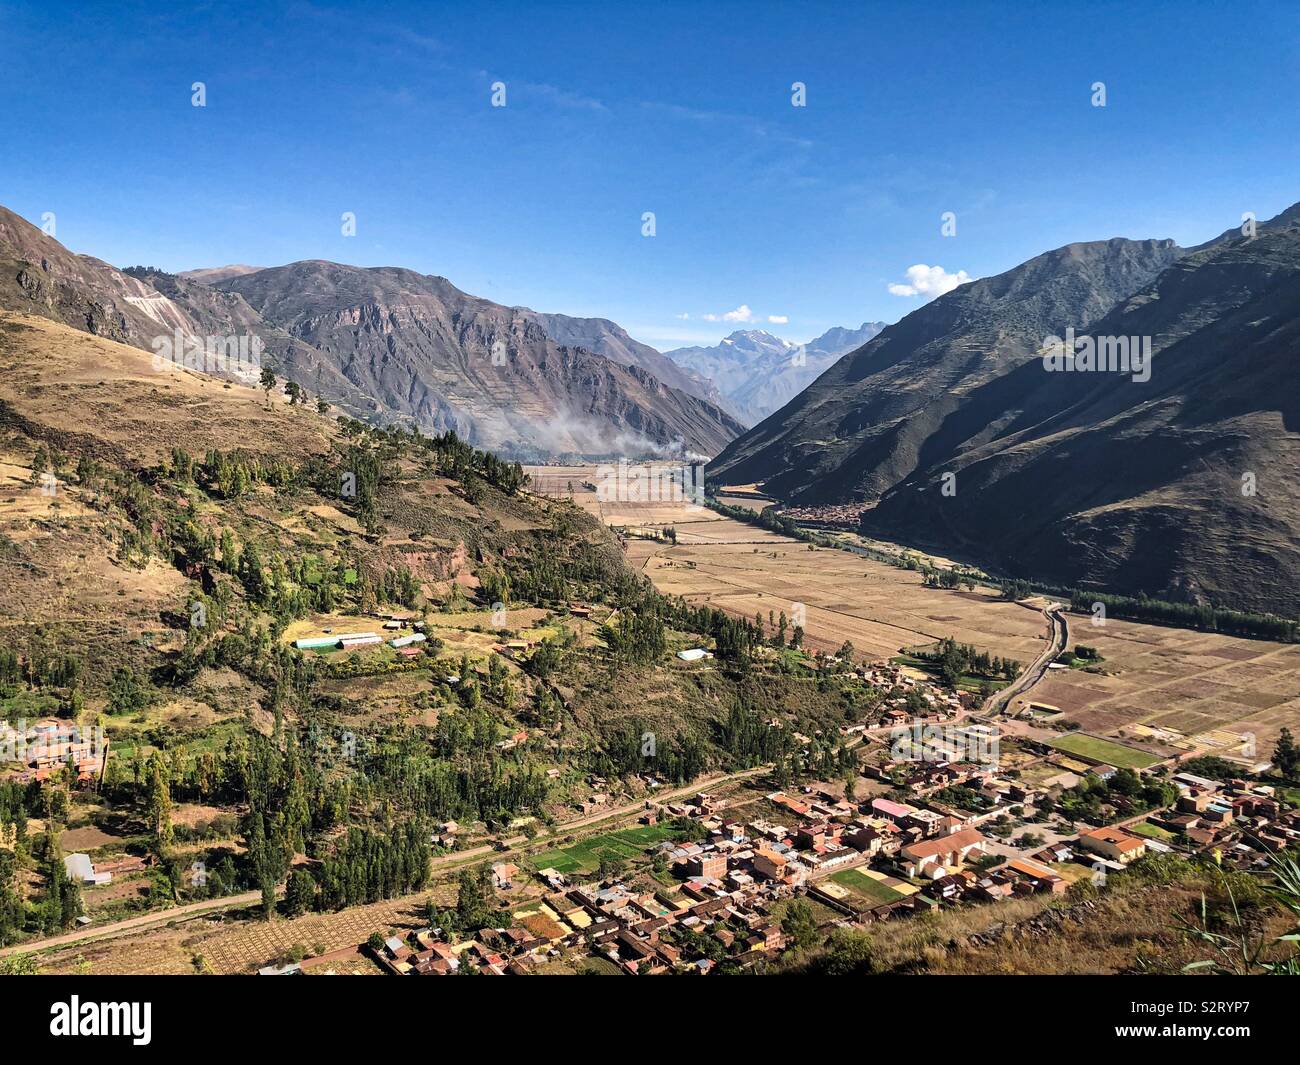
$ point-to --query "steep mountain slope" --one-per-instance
(414, 346)
(611, 340)
(865, 423)
(758, 372)
(119, 404)
(383, 344)
(38, 275)
(1095, 479)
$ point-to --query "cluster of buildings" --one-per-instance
(714, 897)
(1240, 823)
(939, 703)
(930, 857)
(50, 746)
(636, 931)
(828, 516)
(394, 626)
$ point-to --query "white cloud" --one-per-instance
(562, 97)
(929, 281)
(743, 313)
(779, 319)
(682, 317)
(740, 314)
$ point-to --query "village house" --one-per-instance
(503, 875)
(934, 857)
(864, 838)
(1113, 843)
(772, 865)
(1038, 876)
(896, 812)
(81, 870)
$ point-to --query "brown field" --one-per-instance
(230, 946)
(1169, 689)
(879, 608)
(555, 481)
(748, 502)
(1181, 685)
(747, 570)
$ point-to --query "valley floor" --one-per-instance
(1169, 691)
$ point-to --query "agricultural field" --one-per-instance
(1101, 750)
(227, 946)
(656, 507)
(746, 570)
(1179, 690)
(746, 501)
(623, 845)
(880, 609)
(1170, 690)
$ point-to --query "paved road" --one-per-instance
(442, 863)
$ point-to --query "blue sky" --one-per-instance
(613, 110)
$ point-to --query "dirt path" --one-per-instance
(1000, 700)
(134, 924)
(443, 863)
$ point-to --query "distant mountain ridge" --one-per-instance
(389, 344)
(1185, 486)
(611, 340)
(213, 274)
(758, 372)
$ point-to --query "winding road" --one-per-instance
(999, 701)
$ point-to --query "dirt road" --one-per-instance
(999, 701)
(441, 864)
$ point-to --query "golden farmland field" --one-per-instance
(1172, 690)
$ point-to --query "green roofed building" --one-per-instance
(315, 641)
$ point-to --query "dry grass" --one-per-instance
(116, 399)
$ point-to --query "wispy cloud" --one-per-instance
(419, 40)
(725, 120)
(561, 97)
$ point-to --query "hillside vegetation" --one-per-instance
(166, 537)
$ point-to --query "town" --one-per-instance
(744, 877)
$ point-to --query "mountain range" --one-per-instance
(611, 340)
(391, 345)
(758, 372)
(1184, 486)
